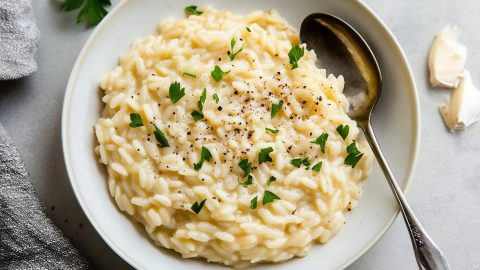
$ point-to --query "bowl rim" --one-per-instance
(413, 96)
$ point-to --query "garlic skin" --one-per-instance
(463, 108)
(447, 58)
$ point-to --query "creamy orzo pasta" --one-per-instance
(222, 137)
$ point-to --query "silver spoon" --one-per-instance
(342, 50)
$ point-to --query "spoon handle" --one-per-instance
(428, 255)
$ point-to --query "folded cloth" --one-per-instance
(18, 38)
(28, 239)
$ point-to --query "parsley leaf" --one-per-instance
(272, 130)
(218, 73)
(317, 167)
(246, 166)
(231, 54)
(270, 180)
(176, 92)
(343, 131)
(276, 108)
(297, 162)
(192, 10)
(253, 203)
(295, 53)
(321, 140)
(197, 207)
(353, 155)
(203, 97)
(136, 120)
(160, 136)
(263, 156)
(189, 74)
(215, 97)
(93, 11)
(248, 181)
(204, 155)
(248, 29)
(197, 116)
(269, 197)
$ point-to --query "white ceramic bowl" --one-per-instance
(396, 122)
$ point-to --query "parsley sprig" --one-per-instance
(92, 11)
(176, 92)
(317, 167)
(218, 73)
(247, 181)
(269, 197)
(297, 162)
(246, 166)
(276, 108)
(264, 155)
(271, 180)
(136, 120)
(272, 130)
(193, 10)
(295, 53)
(253, 203)
(232, 54)
(197, 116)
(353, 155)
(197, 207)
(321, 140)
(205, 155)
(161, 138)
(343, 131)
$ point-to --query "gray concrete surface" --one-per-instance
(445, 192)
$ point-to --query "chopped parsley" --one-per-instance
(136, 120)
(218, 73)
(295, 53)
(197, 207)
(160, 136)
(271, 180)
(176, 92)
(263, 156)
(272, 130)
(203, 97)
(231, 54)
(276, 108)
(197, 116)
(247, 181)
(92, 11)
(253, 203)
(190, 75)
(246, 166)
(343, 131)
(192, 10)
(321, 140)
(215, 97)
(353, 155)
(248, 29)
(205, 155)
(297, 162)
(317, 167)
(269, 197)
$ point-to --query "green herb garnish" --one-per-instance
(160, 136)
(295, 53)
(218, 73)
(190, 75)
(203, 97)
(136, 120)
(247, 181)
(253, 203)
(231, 54)
(297, 162)
(246, 166)
(192, 10)
(93, 11)
(272, 130)
(343, 131)
(197, 207)
(248, 29)
(317, 167)
(215, 97)
(205, 155)
(270, 180)
(197, 116)
(176, 92)
(276, 108)
(263, 156)
(321, 140)
(353, 155)
(269, 197)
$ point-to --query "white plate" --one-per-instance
(396, 122)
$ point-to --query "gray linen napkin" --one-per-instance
(18, 37)
(28, 239)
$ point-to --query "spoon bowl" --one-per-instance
(342, 50)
